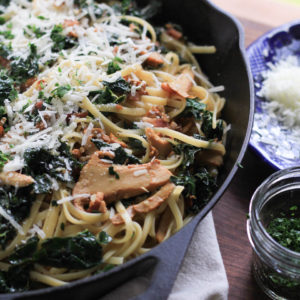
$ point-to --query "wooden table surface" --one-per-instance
(230, 212)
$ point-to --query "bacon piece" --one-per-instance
(133, 179)
(97, 203)
(70, 23)
(209, 157)
(183, 83)
(24, 86)
(15, 179)
(2, 132)
(177, 35)
(163, 146)
(154, 60)
(147, 205)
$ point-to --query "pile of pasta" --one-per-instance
(104, 78)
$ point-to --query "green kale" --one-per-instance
(16, 279)
(121, 156)
(193, 108)
(207, 129)
(106, 96)
(60, 91)
(7, 90)
(198, 188)
(111, 171)
(113, 66)
(61, 41)
(82, 251)
(41, 165)
(35, 30)
(129, 7)
(7, 34)
(2, 20)
(5, 3)
(23, 69)
(104, 238)
(42, 184)
(4, 158)
(23, 253)
(120, 86)
(188, 152)
(17, 203)
(5, 51)
(136, 146)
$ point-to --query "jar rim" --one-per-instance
(271, 245)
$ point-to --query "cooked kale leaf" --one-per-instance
(16, 279)
(40, 161)
(22, 69)
(113, 66)
(188, 152)
(120, 86)
(207, 129)
(17, 203)
(61, 41)
(82, 251)
(198, 188)
(7, 90)
(193, 108)
(121, 156)
(106, 96)
(23, 253)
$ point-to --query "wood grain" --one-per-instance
(230, 213)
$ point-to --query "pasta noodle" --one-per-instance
(110, 138)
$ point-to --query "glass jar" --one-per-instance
(275, 268)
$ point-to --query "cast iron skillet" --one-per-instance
(204, 24)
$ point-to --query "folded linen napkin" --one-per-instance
(202, 274)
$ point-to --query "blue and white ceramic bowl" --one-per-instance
(276, 143)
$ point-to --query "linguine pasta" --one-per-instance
(111, 138)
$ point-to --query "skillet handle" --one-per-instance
(169, 257)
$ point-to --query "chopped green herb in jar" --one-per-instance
(286, 230)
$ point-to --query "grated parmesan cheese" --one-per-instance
(11, 220)
(281, 86)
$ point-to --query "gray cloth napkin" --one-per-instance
(201, 277)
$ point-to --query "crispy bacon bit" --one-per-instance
(15, 179)
(163, 146)
(97, 203)
(70, 23)
(4, 62)
(210, 157)
(114, 139)
(154, 60)
(39, 105)
(40, 84)
(165, 86)
(115, 50)
(139, 92)
(76, 153)
(2, 132)
(40, 125)
(173, 32)
(24, 86)
(82, 114)
(183, 83)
